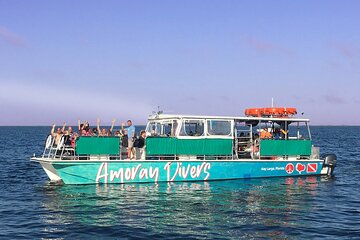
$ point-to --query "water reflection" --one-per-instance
(199, 209)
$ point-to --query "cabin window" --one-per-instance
(192, 128)
(219, 127)
(164, 128)
(169, 128)
(154, 128)
(298, 130)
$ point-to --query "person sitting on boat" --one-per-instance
(265, 134)
(103, 132)
(131, 137)
(58, 134)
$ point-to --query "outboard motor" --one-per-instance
(329, 162)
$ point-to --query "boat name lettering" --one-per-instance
(129, 173)
(272, 168)
(184, 171)
(173, 171)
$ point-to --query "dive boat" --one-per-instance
(266, 142)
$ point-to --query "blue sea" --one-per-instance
(272, 208)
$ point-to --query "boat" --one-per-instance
(266, 142)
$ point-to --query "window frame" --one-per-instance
(161, 124)
(181, 125)
(231, 134)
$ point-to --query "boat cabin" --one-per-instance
(182, 137)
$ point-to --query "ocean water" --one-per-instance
(271, 208)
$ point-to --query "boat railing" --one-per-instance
(189, 157)
(243, 143)
(49, 144)
(97, 148)
(284, 148)
(60, 150)
(315, 152)
(52, 149)
(64, 151)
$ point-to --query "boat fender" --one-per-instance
(329, 159)
(255, 147)
(61, 143)
(48, 141)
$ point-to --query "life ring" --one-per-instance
(274, 111)
(48, 142)
(267, 112)
(254, 112)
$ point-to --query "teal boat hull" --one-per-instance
(145, 171)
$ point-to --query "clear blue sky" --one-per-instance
(68, 60)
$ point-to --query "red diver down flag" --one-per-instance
(311, 168)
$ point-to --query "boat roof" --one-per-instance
(163, 116)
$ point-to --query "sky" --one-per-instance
(61, 61)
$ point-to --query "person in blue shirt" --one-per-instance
(131, 137)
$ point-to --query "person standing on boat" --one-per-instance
(131, 137)
(84, 128)
(139, 145)
(70, 136)
(103, 132)
(58, 134)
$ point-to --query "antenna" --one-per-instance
(272, 102)
(158, 112)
